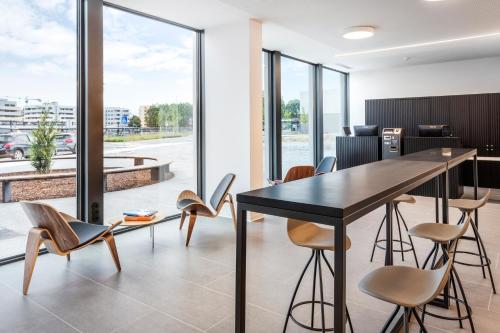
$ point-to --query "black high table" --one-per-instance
(338, 199)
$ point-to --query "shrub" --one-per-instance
(43, 145)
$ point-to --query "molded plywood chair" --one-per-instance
(326, 165)
(189, 203)
(61, 234)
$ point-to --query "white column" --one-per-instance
(233, 116)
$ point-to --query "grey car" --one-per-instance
(15, 145)
(66, 142)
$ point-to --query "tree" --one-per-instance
(43, 146)
(292, 109)
(152, 116)
(134, 122)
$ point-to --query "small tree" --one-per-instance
(134, 122)
(43, 146)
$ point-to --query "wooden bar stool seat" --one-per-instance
(312, 236)
(404, 245)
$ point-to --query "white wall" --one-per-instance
(447, 78)
(230, 93)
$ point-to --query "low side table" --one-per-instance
(158, 218)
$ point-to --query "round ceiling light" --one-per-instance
(359, 32)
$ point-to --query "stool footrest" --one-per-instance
(296, 321)
(407, 249)
(486, 262)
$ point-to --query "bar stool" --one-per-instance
(411, 287)
(441, 235)
(405, 198)
(318, 239)
(467, 207)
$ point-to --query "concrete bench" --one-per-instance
(159, 173)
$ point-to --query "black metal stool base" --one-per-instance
(484, 260)
(454, 280)
(311, 328)
(318, 256)
(404, 246)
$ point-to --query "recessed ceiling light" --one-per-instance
(359, 32)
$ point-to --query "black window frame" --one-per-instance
(90, 109)
(274, 118)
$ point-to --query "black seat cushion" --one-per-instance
(87, 232)
(221, 190)
(183, 203)
(326, 165)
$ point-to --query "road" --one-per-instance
(178, 150)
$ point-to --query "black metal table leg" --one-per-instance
(388, 234)
(476, 184)
(339, 288)
(241, 257)
(437, 198)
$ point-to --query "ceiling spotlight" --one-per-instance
(359, 32)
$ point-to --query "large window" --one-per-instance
(38, 103)
(297, 141)
(334, 89)
(266, 97)
(149, 121)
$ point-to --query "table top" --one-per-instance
(451, 156)
(160, 216)
(346, 194)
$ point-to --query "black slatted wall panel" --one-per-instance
(494, 126)
(459, 118)
(357, 150)
(478, 120)
(440, 110)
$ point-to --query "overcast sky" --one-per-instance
(145, 61)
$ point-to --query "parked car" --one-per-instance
(66, 142)
(15, 145)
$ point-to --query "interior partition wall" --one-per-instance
(305, 107)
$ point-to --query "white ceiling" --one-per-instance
(313, 29)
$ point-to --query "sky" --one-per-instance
(145, 61)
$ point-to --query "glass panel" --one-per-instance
(149, 148)
(265, 114)
(296, 114)
(38, 66)
(333, 109)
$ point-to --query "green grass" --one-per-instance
(141, 137)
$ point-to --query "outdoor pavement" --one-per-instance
(161, 196)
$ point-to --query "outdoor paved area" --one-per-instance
(161, 196)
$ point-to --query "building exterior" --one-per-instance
(142, 114)
(114, 116)
(64, 116)
(10, 113)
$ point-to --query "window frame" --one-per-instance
(274, 118)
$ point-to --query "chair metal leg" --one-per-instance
(314, 287)
(457, 303)
(296, 290)
(476, 234)
(429, 256)
(420, 323)
(406, 328)
(376, 238)
(466, 303)
(68, 257)
(391, 318)
(321, 293)
(409, 237)
(488, 261)
(399, 230)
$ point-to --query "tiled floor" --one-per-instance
(178, 289)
